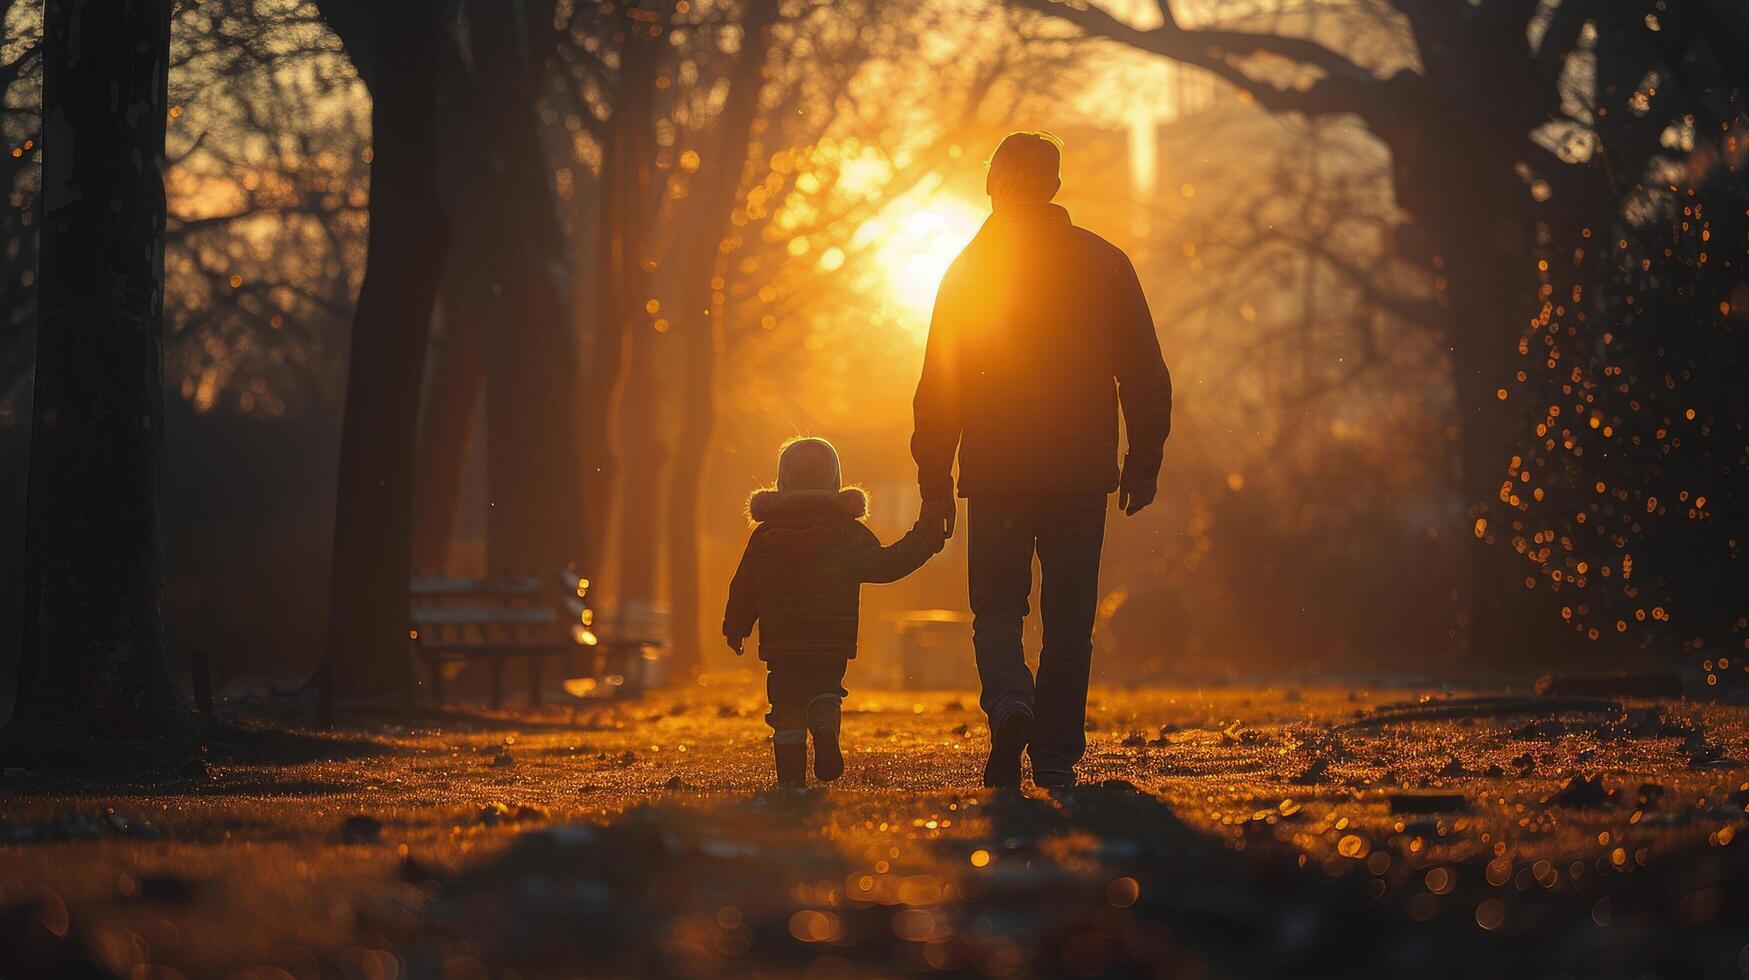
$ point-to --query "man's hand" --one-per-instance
(930, 531)
(737, 643)
(1134, 491)
(938, 513)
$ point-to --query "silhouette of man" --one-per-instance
(1040, 332)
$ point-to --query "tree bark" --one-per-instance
(643, 446)
(621, 280)
(367, 652)
(93, 662)
(1506, 623)
(446, 431)
(686, 481)
(514, 282)
(1475, 208)
(533, 520)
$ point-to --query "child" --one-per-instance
(800, 579)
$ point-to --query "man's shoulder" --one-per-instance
(1058, 234)
(1038, 237)
(1093, 242)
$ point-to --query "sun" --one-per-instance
(917, 244)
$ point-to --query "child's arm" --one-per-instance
(899, 559)
(742, 610)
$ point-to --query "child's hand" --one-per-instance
(938, 514)
(737, 644)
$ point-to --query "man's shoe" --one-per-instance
(790, 746)
(1007, 742)
(824, 715)
(1053, 778)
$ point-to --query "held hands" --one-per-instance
(936, 517)
(930, 533)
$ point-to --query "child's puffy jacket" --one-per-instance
(801, 575)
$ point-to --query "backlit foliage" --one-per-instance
(266, 181)
(1633, 490)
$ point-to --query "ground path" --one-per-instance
(1222, 832)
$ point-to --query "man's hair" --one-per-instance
(1025, 167)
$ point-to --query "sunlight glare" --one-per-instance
(917, 245)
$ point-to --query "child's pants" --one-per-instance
(792, 682)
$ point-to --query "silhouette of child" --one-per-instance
(800, 579)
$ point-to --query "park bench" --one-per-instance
(454, 621)
(934, 649)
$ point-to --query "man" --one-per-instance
(1040, 332)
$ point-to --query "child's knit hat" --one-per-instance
(807, 463)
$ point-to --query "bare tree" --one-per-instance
(266, 236)
(617, 73)
(367, 651)
(697, 265)
(516, 261)
(1491, 133)
(93, 661)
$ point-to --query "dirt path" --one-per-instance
(1221, 833)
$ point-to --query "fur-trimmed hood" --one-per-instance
(770, 504)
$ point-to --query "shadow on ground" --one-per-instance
(1230, 833)
(1102, 880)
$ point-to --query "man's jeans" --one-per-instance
(1067, 534)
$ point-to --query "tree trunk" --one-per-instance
(714, 199)
(367, 651)
(643, 446)
(1507, 624)
(600, 473)
(447, 429)
(533, 520)
(621, 279)
(697, 426)
(1474, 205)
(93, 662)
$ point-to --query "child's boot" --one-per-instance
(791, 748)
(824, 715)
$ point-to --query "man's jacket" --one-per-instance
(802, 573)
(1040, 332)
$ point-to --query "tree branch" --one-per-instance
(1212, 49)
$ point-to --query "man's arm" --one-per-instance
(1144, 389)
(936, 411)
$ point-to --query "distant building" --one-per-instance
(1099, 186)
